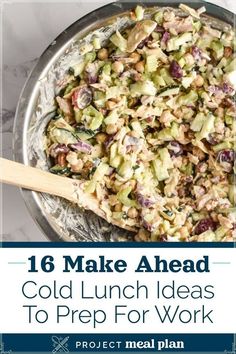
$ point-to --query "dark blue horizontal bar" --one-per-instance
(100, 342)
(118, 244)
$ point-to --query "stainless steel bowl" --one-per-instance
(58, 219)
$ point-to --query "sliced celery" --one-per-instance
(232, 194)
(112, 117)
(151, 63)
(207, 128)
(165, 157)
(139, 12)
(125, 170)
(96, 43)
(218, 49)
(123, 197)
(220, 233)
(231, 66)
(158, 17)
(165, 134)
(160, 170)
(169, 92)
(97, 117)
(143, 88)
(197, 123)
(90, 57)
(119, 41)
(188, 99)
(222, 146)
(175, 42)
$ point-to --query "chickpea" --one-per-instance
(136, 57)
(132, 15)
(228, 52)
(83, 82)
(220, 112)
(202, 62)
(132, 213)
(169, 16)
(118, 207)
(198, 153)
(188, 224)
(199, 81)
(117, 67)
(184, 233)
(61, 159)
(178, 113)
(137, 76)
(143, 235)
(72, 158)
(111, 129)
(229, 35)
(120, 122)
(137, 239)
(202, 167)
(134, 134)
(110, 105)
(132, 183)
(189, 59)
(103, 54)
(78, 166)
(101, 138)
(112, 198)
(117, 186)
(140, 66)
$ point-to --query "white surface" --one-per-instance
(28, 28)
(212, 284)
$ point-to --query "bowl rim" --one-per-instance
(83, 25)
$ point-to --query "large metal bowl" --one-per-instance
(59, 220)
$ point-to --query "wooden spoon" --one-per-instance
(38, 180)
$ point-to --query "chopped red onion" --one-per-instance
(115, 56)
(217, 89)
(64, 105)
(144, 42)
(110, 171)
(147, 226)
(159, 29)
(226, 88)
(196, 52)
(81, 146)
(91, 73)
(226, 156)
(82, 97)
(56, 149)
(144, 201)
(150, 119)
(175, 70)
(228, 103)
(204, 225)
(211, 140)
(91, 79)
(131, 140)
(175, 149)
(165, 37)
(163, 238)
(109, 141)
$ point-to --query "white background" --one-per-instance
(13, 318)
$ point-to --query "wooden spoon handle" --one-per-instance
(35, 179)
